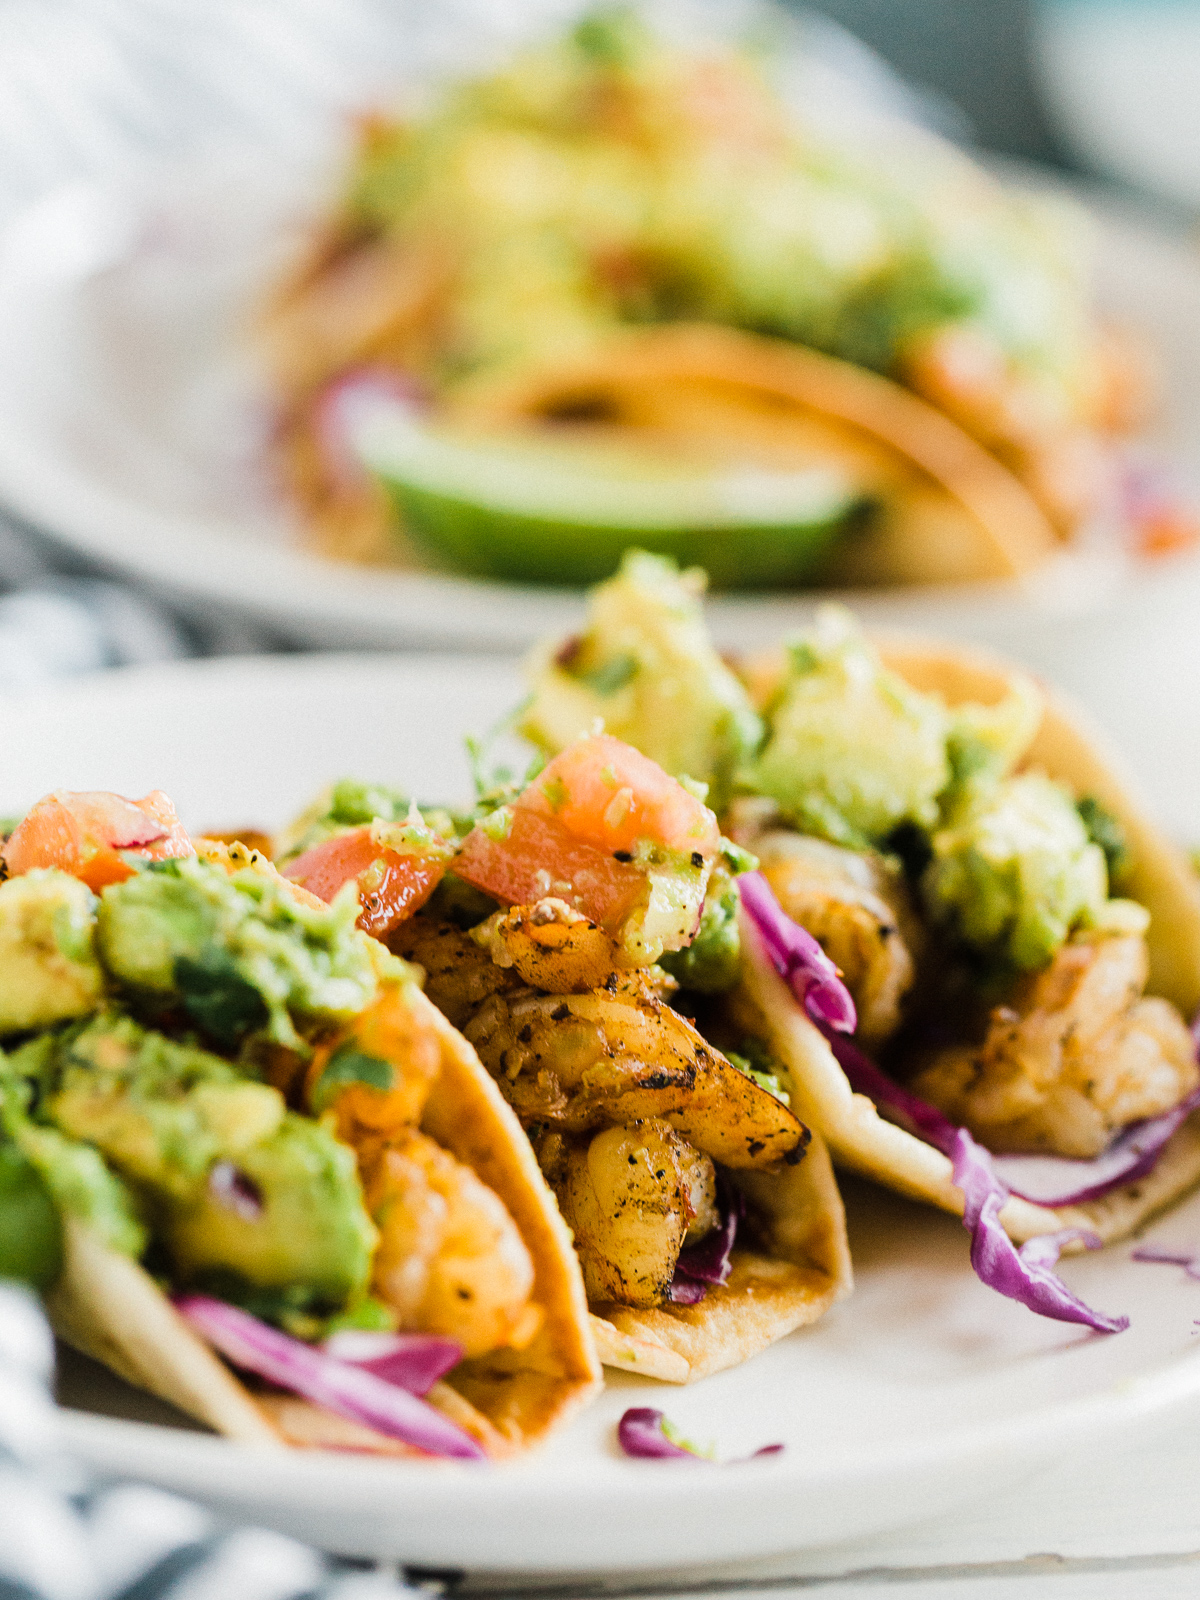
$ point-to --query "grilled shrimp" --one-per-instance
(552, 946)
(583, 1061)
(1076, 1055)
(856, 906)
(632, 1196)
(450, 1260)
(459, 974)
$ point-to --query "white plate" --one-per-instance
(922, 1391)
(132, 425)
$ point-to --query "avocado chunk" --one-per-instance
(1014, 871)
(161, 1112)
(311, 1228)
(82, 1186)
(234, 1182)
(31, 1245)
(646, 666)
(712, 963)
(48, 967)
(853, 751)
(239, 951)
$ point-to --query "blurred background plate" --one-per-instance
(921, 1392)
(1120, 80)
(133, 427)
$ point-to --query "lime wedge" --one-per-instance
(544, 508)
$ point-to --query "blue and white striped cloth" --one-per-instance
(64, 1538)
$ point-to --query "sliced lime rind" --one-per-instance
(542, 515)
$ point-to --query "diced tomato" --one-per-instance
(538, 857)
(610, 795)
(574, 830)
(89, 833)
(391, 886)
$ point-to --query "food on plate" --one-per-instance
(231, 1122)
(948, 862)
(705, 1215)
(619, 292)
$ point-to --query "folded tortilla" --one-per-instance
(796, 1270)
(110, 1308)
(1160, 878)
(949, 511)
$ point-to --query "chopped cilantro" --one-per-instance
(348, 1065)
(612, 675)
(1105, 830)
(216, 996)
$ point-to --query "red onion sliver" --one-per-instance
(797, 957)
(231, 1188)
(413, 1361)
(336, 1385)
(343, 408)
(685, 1291)
(131, 826)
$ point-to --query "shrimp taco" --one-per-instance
(704, 1213)
(968, 951)
(678, 232)
(234, 1127)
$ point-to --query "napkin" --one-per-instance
(64, 1537)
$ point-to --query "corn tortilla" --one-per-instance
(797, 1270)
(951, 511)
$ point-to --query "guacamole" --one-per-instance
(48, 966)
(233, 1181)
(646, 668)
(348, 803)
(609, 178)
(852, 752)
(1014, 872)
(240, 952)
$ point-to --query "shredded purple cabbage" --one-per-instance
(710, 1261)
(1023, 1274)
(797, 957)
(646, 1433)
(349, 1390)
(918, 1116)
(1026, 1274)
(1167, 1258)
(685, 1291)
(413, 1361)
(1060, 1181)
